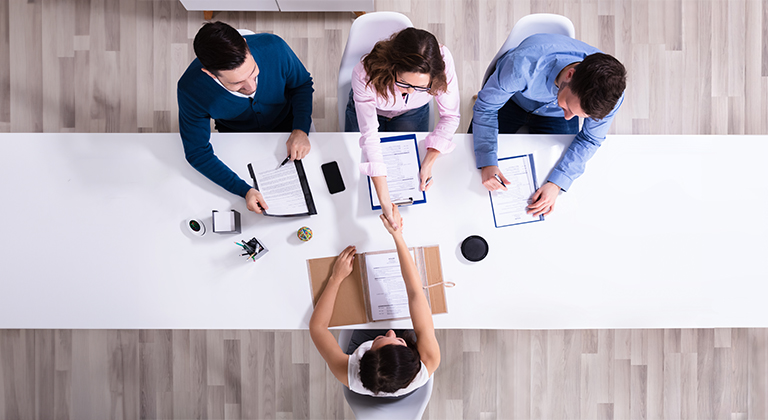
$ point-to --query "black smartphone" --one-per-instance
(333, 177)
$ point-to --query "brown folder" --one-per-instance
(352, 304)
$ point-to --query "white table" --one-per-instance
(661, 231)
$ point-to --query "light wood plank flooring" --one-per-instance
(695, 67)
(587, 374)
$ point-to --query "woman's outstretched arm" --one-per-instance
(324, 341)
(421, 314)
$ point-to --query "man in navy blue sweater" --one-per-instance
(252, 83)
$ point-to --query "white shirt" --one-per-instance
(238, 94)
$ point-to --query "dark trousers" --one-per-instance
(414, 120)
(512, 118)
(285, 126)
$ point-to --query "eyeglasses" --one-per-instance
(416, 88)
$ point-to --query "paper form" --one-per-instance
(509, 207)
(402, 162)
(282, 190)
(386, 287)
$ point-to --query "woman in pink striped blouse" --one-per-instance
(391, 90)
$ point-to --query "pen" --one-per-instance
(500, 181)
(246, 247)
(428, 181)
(284, 162)
(253, 176)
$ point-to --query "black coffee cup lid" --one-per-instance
(474, 248)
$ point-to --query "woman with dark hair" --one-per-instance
(380, 363)
(391, 90)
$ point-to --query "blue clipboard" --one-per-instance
(535, 188)
(419, 199)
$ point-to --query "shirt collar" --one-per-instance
(238, 94)
(560, 64)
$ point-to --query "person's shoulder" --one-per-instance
(265, 42)
(450, 65)
(446, 53)
(195, 88)
(359, 68)
(556, 42)
(359, 76)
(271, 51)
(192, 78)
(262, 37)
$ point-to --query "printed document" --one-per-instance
(402, 160)
(509, 207)
(386, 287)
(282, 190)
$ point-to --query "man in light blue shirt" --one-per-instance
(543, 83)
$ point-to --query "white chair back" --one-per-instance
(365, 32)
(539, 23)
(366, 407)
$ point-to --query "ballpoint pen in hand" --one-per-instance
(253, 175)
(284, 162)
(500, 181)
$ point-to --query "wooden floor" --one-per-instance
(604, 374)
(695, 67)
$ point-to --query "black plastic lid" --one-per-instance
(474, 248)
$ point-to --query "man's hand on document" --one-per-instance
(255, 201)
(543, 200)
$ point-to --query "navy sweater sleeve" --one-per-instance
(195, 130)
